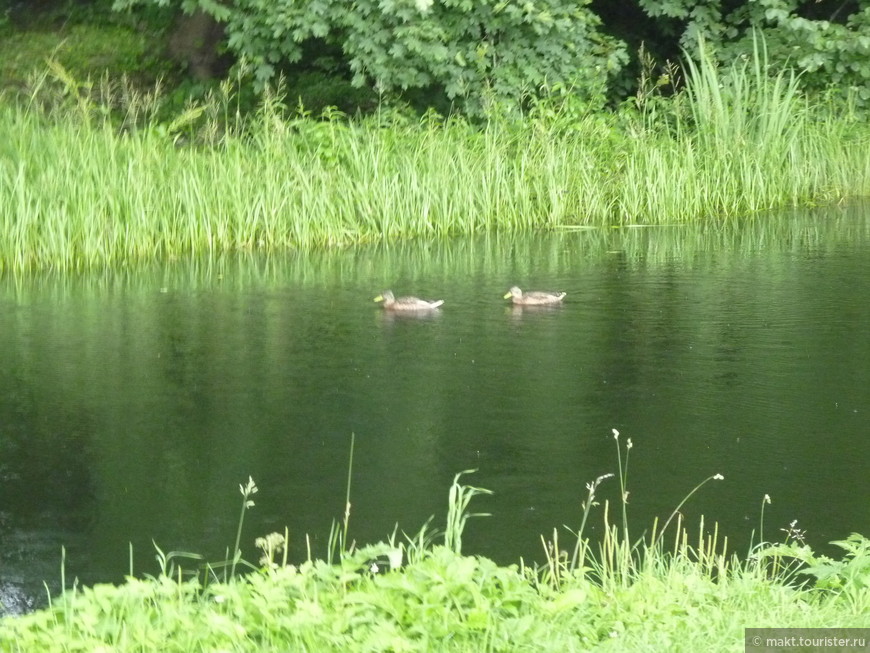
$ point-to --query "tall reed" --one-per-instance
(78, 192)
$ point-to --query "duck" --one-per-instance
(535, 297)
(392, 303)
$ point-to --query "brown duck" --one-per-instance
(535, 297)
(392, 303)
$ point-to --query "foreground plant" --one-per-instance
(423, 594)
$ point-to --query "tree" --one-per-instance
(828, 41)
(472, 51)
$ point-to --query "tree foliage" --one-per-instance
(472, 51)
(828, 42)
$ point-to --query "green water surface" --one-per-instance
(133, 403)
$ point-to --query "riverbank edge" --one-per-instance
(421, 593)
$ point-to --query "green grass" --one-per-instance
(81, 189)
(421, 593)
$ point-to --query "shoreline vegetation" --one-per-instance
(89, 178)
(663, 591)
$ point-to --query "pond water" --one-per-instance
(134, 403)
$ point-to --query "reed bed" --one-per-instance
(557, 253)
(77, 192)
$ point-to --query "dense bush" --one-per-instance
(471, 56)
(827, 42)
(471, 53)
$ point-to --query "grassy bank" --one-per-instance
(78, 190)
(421, 593)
